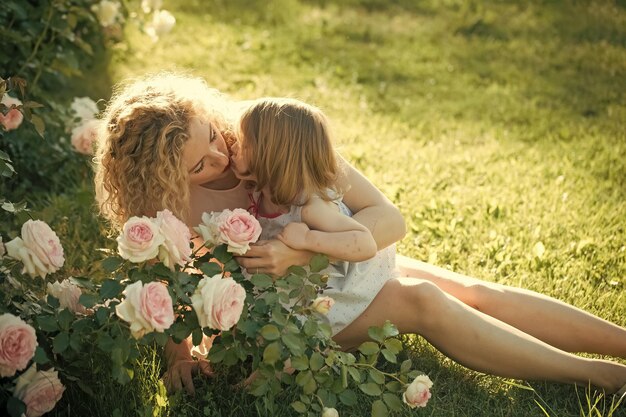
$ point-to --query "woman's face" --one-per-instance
(205, 154)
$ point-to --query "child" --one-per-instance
(285, 148)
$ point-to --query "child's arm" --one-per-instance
(325, 230)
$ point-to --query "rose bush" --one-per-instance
(272, 328)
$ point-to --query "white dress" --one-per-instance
(353, 285)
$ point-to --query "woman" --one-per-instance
(165, 144)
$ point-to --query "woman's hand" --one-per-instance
(272, 257)
(181, 367)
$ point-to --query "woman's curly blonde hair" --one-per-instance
(138, 160)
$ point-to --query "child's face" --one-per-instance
(239, 161)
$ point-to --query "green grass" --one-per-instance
(492, 125)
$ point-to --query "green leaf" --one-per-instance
(299, 407)
(394, 345)
(221, 254)
(394, 386)
(405, 366)
(39, 124)
(393, 401)
(102, 315)
(217, 353)
(111, 264)
(376, 333)
(371, 388)
(303, 378)
(368, 348)
(272, 353)
(355, 374)
(294, 343)
(261, 281)
(196, 336)
(301, 363)
(61, 342)
(15, 407)
(110, 289)
(316, 362)
(389, 355)
(47, 323)
(160, 338)
(348, 397)
(65, 319)
(211, 269)
(318, 262)
(297, 270)
(162, 271)
(40, 356)
(88, 300)
(377, 376)
(390, 330)
(310, 327)
(270, 332)
(379, 409)
(76, 342)
(53, 301)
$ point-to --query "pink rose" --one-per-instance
(218, 302)
(39, 249)
(139, 240)
(175, 249)
(13, 119)
(239, 229)
(17, 344)
(322, 304)
(84, 136)
(147, 308)
(68, 294)
(417, 393)
(39, 390)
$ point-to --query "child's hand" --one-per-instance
(294, 235)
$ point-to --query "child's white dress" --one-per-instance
(353, 285)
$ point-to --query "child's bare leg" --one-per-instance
(555, 322)
(475, 339)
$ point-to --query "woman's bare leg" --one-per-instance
(475, 339)
(554, 322)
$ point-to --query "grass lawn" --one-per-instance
(498, 128)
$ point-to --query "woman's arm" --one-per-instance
(326, 230)
(371, 208)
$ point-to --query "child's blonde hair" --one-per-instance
(138, 162)
(287, 145)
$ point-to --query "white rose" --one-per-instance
(39, 249)
(323, 304)
(107, 12)
(68, 294)
(209, 228)
(162, 23)
(418, 393)
(330, 412)
(175, 249)
(218, 302)
(84, 108)
(148, 5)
(140, 239)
